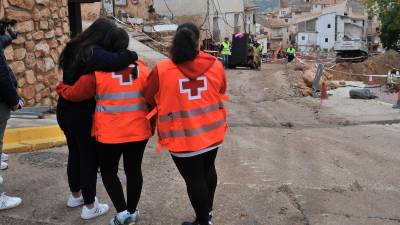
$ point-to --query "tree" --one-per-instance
(388, 11)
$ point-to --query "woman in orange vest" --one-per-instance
(187, 90)
(119, 125)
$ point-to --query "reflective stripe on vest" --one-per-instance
(192, 132)
(120, 95)
(191, 112)
(123, 108)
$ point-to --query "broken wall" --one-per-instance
(138, 9)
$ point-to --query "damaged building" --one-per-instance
(217, 18)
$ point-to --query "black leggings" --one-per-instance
(109, 156)
(200, 177)
(82, 165)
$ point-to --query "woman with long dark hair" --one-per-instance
(187, 91)
(119, 125)
(82, 55)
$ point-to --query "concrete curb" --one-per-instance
(17, 140)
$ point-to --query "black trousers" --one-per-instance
(82, 159)
(109, 157)
(200, 177)
(82, 166)
(290, 57)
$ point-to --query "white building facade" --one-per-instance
(326, 27)
(335, 23)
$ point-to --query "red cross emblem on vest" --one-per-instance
(124, 76)
(193, 88)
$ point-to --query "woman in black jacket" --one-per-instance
(84, 54)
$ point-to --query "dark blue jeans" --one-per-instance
(226, 60)
(4, 116)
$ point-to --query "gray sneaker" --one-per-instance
(396, 106)
(134, 218)
(130, 220)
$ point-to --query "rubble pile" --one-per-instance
(375, 65)
(302, 74)
(302, 77)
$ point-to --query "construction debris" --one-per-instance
(302, 72)
(375, 65)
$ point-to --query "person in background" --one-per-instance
(187, 91)
(85, 54)
(119, 125)
(257, 51)
(397, 88)
(290, 53)
(9, 101)
(226, 51)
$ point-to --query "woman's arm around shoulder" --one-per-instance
(104, 60)
(83, 89)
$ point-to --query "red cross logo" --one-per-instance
(193, 87)
(124, 76)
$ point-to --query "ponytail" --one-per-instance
(185, 44)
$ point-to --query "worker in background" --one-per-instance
(290, 53)
(226, 51)
(257, 53)
(397, 88)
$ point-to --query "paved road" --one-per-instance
(286, 161)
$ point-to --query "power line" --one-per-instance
(207, 14)
(172, 14)
(223, 15)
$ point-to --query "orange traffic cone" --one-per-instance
(324, 91)
(370, 81)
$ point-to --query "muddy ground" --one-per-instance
(286, 161)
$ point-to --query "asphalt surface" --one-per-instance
(286, 161)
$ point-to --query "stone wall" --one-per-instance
(43, 31)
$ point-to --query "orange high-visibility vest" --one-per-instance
(191, 115)
(121, 110)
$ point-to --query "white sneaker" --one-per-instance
(75, 202)
(97, 210)
(7, 202)
(4, 157)
(134, 218)
(1, 179)
(4, 166)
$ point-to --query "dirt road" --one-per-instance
(286, 161)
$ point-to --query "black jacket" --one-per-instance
(8, 83)
(77, 117)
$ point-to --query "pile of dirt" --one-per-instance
(375, 65)
(302, 74)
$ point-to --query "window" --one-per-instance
(326, 40)
(329, 26)
(303, 38)
(286, 20)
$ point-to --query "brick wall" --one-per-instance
(43, 31)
